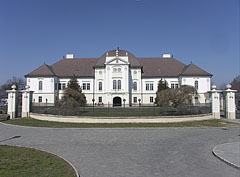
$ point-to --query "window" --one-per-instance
(151, 86)
(84, 86)
(172, 85)
(100, 99)
(135, 99)
(147, 86)
(196, 85)
(114, 84)
(59, 86)
(134, 85)
(119, 69)
(40, 99)
(88, 86)
(151, 99)
(40, 85)
(100, 86)
(176, 85)
(63, 85)
(119, 84)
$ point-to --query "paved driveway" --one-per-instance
(153, 152)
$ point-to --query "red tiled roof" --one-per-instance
(193, 70)
(152, 67)
(43, 70)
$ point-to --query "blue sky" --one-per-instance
(205, 32)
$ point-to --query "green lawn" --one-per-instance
(24, 162)
(40, 123)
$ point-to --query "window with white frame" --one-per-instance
(40, 99)
(172, 85)
(151, 99)
(100, 86)
(100, 99)
(86, 86)
(196, 85)
(114, 84)
(119, 84)
(40, 85)
(134, 85)
(149, 86)
(134, 99)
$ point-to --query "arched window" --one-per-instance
(134, 85)
(100, 86)
(119, 84)
(40, 85)
(114, 84)
(196, 85)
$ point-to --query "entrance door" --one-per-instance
(117, 101)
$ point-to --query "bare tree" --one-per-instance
(19, 82)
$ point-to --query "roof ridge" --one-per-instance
(50, 69)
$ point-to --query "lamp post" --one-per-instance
(124, 102)
(46, 101)
(93, 100)
(139, 100)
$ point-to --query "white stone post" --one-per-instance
(26, 102)
(215, 102)
(12, 102)
(230, 105)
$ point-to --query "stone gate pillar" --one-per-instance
(26, 101)
(230, 105)
(12, 102)
(215, 102)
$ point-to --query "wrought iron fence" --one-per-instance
(3, 109)
(124, 111)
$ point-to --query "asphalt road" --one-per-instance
(135, 152)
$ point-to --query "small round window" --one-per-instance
(119, 69)
(114, 69)
(135, 72)
(100, 72)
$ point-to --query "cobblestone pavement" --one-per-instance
(135, 152)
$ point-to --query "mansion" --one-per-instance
(116, 78)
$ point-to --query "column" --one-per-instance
(26, 101)
(12, 102)
(215, 102)
(230, 106)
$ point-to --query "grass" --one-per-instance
(40, 123)
(20, 161)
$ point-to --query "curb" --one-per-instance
(74, 168)
(224, 160)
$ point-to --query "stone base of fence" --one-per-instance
(161, 119)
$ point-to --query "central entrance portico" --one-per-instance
(117, 101)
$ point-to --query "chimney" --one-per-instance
(70, 56)
(167, 55)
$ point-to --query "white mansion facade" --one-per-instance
(116, 77)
